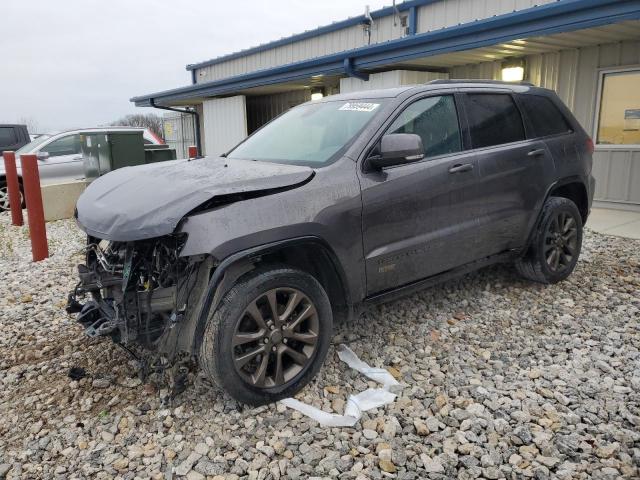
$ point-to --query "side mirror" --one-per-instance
(42, 155)
(396, 149)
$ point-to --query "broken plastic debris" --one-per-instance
(356, 404)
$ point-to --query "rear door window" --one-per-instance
(435, 120)
(544, 116)
(493, 119)
(8, 136)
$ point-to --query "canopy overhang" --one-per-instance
(554, 26)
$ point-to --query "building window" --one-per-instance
(619, 116)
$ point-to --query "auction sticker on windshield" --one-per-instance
(359, 107)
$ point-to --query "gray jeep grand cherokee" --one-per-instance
(245, 261)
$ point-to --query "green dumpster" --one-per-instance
(104, 151)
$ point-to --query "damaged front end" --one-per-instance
(140, 294)
(151, 253)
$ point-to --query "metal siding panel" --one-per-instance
(600, 170)
(534, 68)
(618, 176)
(630, 53)
(225, 123)
(550, 70)
(393, 78)
(634, 178)
(447, 13)
(451, 13)
(609, 55)
(263, 108)
(439, 15)
(586, 87)
(479, 9)
(465, 11)
(567, 76)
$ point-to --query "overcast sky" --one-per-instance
(76, 63)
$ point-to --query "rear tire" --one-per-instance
(260, 357)
(556, 244)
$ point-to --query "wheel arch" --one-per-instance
(574, 189)
(310, 254)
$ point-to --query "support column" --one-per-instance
(225, 123)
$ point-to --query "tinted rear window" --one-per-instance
(544, 116)
(7, 136)
(494, 119)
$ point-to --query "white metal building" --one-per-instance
(586, 50)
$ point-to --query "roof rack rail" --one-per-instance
(493, 82)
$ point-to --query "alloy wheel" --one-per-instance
(276, 337)
(4, 198)
(561, 241)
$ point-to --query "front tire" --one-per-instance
(269, 335)
(4, 197)
(556, 245)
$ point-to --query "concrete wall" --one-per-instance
(225, 123)
(390, 79)
(437, 15)
(574, 74)
(59, 199)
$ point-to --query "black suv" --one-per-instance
(12, 137)
(246, 260)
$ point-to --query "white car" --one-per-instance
(60, 158)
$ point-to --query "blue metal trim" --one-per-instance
(383, 12)
(561, 16)
(352, 72)
(413, 21)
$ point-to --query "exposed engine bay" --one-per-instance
(137, 293)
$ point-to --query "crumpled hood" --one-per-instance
(147, 201)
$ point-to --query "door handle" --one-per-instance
(537, 152)
(458, 168)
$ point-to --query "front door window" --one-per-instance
(435, 120)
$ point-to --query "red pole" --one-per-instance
(35, 211)
(193, 152)
(13, 188)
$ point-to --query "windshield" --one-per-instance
(311, 134)
(30, 146)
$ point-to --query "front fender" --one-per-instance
(215, 288)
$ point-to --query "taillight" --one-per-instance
(590, 146)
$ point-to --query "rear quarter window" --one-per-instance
(493, 119)
(545, 118)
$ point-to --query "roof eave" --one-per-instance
(551, 18)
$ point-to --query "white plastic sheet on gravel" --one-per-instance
(503, 379)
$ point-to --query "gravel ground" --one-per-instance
(503, 379)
